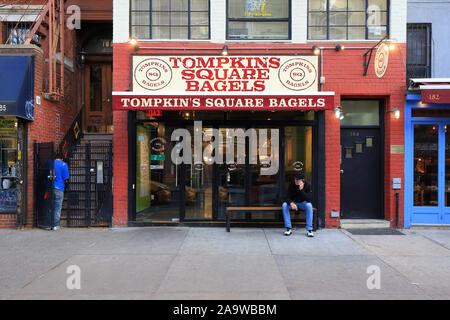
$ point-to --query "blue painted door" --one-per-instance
(431, 173)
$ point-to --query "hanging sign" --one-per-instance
(382, 60)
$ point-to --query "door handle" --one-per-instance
(342, 171)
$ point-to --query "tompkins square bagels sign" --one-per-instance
(224, 83)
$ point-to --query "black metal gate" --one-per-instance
(88, 198)
(43, 182)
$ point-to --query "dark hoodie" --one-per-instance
(294, 194)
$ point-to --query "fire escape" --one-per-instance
(47, 32)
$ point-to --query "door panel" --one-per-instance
(98, 97)
(361, 174)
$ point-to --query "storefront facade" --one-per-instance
(427, 156)
(179, 105)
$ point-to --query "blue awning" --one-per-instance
(17, 86)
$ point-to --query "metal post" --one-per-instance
(396, 210)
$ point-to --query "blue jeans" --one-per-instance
(306, 206)
(59, 196)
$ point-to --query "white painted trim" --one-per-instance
(435, 87)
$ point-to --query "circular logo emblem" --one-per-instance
(381, 60)
(298, 166)
(158, 144)
(297, 74)
(153, 74)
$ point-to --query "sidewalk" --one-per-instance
(209, 263)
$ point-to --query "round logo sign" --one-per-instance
(153, 74)
(297, 74)
(381, 60)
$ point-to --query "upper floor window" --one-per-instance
(17, 32)
(418, 57)
(258, 19)
(347, 19)
(170, 19)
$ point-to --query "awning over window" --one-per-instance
(433, 90)
(17, 86)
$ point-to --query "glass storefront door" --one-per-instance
(158, 183)
(232, 164)
(431, 175)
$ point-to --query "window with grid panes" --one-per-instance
(258, 19)
(347, 19)
(170, 19)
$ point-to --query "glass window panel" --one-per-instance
(317, 33)
(179, 18)
(161, 33)
(338, 33)
(141, 32)
(447, 167)
(426, 165)
(258, 30)
(199, 5)
(200, 33)
(179, 32)
(318, 19)
(140, 5)
(375, 33)
(356, 33)
(199, 18)
(269, 9)
(378, 4)
(8, 164)
(140, 18)
(160, 18)
(338, 18)
(361, 113)
(318, 5)
(377, 18)
(357, 18)
(356, 5)
(338, 5)
(179, 5)
(160, 5)
(157, 177)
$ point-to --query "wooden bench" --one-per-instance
(229, 210)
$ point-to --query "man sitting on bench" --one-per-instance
(299, 197)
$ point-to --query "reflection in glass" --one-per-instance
(8, 164)
(447, 167)
(199, 176)
(157, 178)
(426, 165)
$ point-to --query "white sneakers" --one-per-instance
(288, 232)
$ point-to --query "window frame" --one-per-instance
(150, 24)
(427, 29)
(366, 27)
(288, 20)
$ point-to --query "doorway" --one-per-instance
(361, 160)
(201, 190)
(98, 97)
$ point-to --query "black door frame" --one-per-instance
(381, 127)
(318, 163)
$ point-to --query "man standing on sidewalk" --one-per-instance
(61, 175)
(299, 197)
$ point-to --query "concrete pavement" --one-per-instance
(209, 263)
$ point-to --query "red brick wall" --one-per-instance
(51, 121)
(343, 73)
